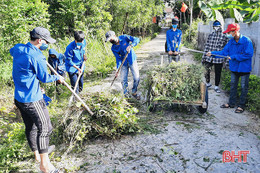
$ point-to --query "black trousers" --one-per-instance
(37, 124)
(218, 69)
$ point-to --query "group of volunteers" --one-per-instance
(238, 50)
(30, 68)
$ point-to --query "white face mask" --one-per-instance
(216, 28)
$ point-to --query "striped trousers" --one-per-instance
(37, 124)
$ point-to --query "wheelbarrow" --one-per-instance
(202, 104)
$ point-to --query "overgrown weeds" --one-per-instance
(13, 145)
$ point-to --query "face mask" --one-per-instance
(216, 28)
(229, 36)
(79, 44)
(113, 41)
(44, 46)
(174, 26)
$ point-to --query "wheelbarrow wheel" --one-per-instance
(203, 109)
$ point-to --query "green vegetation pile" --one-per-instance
(175, 82)
(113, 117)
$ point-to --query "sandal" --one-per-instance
(239, 110)
(53, 171)
(217, 90)
(136, 96)
(226, 106)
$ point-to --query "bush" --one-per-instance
(253, 96)
(192, 41)
(13, 145)
(197, 57)
(6, 73)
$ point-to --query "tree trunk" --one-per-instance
(191, 7)
(126, 16)
(184, 17)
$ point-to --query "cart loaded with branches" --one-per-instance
(177, 83)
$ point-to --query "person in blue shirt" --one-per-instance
(74, 58)
(240, 51)
(29, 68)
(122, 45)
(57, 61)
(173, 40)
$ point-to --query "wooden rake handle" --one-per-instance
(71, 90)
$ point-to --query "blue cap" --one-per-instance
(216, 23)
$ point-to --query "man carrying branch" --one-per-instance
(122, 45)
(29, 69)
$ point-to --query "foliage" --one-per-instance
(98, 16)
(197, 57)
(101, 60)
(134, 15)
(253, 96)
(177, 81)
(63, 17)
(17, 17)
(70, 15)
(189, 34)
(113, 116)
(6, 73)
(241, 10)
(13, 142)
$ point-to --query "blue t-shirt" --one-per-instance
(74, 56)
(120, 50)
(58, 62)
(29, 68)
(173, 39)
(241, 54)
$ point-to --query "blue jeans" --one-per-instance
(73, 79)
(233, 89)
(124, 76)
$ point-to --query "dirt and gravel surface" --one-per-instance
(179, 141)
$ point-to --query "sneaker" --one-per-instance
(208, 85)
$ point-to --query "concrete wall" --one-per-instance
(251, 30)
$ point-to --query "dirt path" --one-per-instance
(182, 142)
